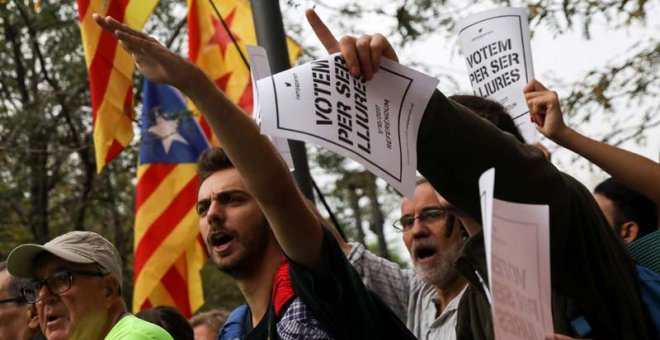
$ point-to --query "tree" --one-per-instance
(604, 94)
(48, 180)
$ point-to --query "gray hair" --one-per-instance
(15, 285)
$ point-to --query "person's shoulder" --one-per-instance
(131, 327)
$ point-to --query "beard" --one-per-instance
(440, 272)
(243, 262)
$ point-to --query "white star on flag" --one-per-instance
(166, 131)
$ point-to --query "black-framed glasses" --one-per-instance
(18, 299)
(406, 222)
(56, 284)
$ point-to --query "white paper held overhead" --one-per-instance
(498, 56)
(374, 123)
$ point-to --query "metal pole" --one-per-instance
(270, 35)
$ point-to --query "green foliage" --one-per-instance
(48, 180)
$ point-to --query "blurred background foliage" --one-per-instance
(48, 179)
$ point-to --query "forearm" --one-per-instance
(383, 277)
(263, 171)
(635, 171)
(251, 153)
(455, 146)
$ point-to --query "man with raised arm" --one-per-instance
(629, 200)
(635, 171)
(296, 281)
(595, 289)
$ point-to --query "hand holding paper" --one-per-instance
(374, 123)
(496, 47)
(544, 109)
(362, 55)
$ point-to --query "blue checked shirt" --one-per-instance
(299, 323)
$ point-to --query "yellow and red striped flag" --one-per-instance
(169, 252)
(211, 48)
(110, 73)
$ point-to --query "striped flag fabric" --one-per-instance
(210, 46)
(110, 71)
(169, 251)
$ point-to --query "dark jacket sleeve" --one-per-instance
(588, 262)
(455, 146)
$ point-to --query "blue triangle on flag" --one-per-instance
(170, 134)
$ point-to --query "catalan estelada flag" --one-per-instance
(210, 47)
(169, 251)
(110, 73)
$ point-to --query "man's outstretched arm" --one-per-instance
(264, 172)
(637, 172)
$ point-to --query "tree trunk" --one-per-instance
(353, 199)
(377, 219)
(37, 163)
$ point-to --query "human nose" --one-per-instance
(44, 295)
(419, 228)
(216, 212)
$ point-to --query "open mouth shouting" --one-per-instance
(52, 319)
(424, 253)
(219, 241)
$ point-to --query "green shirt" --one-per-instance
(131, 327)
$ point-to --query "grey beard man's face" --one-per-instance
(439, 270)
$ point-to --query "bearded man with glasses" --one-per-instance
(427, 297)
(76, 287)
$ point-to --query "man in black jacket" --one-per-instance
(593, 278)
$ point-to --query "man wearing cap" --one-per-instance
(76, 285)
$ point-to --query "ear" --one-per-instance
(471, 226)
(110, 287)
(34, 318)
(628, 231)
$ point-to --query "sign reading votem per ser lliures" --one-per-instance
(374, 123)
(497, 53)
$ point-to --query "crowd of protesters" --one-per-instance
(301, 280)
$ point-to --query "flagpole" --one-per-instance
(270, 35)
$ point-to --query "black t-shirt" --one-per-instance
(266, 328)
(339, 301)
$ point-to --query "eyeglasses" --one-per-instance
(57, 283)
(405, 223)
(18, 299)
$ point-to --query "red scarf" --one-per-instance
(282, 288)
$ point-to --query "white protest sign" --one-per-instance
(261, 69)
(374, 123)
(518, 257)
(497, 52)
(486, 193)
